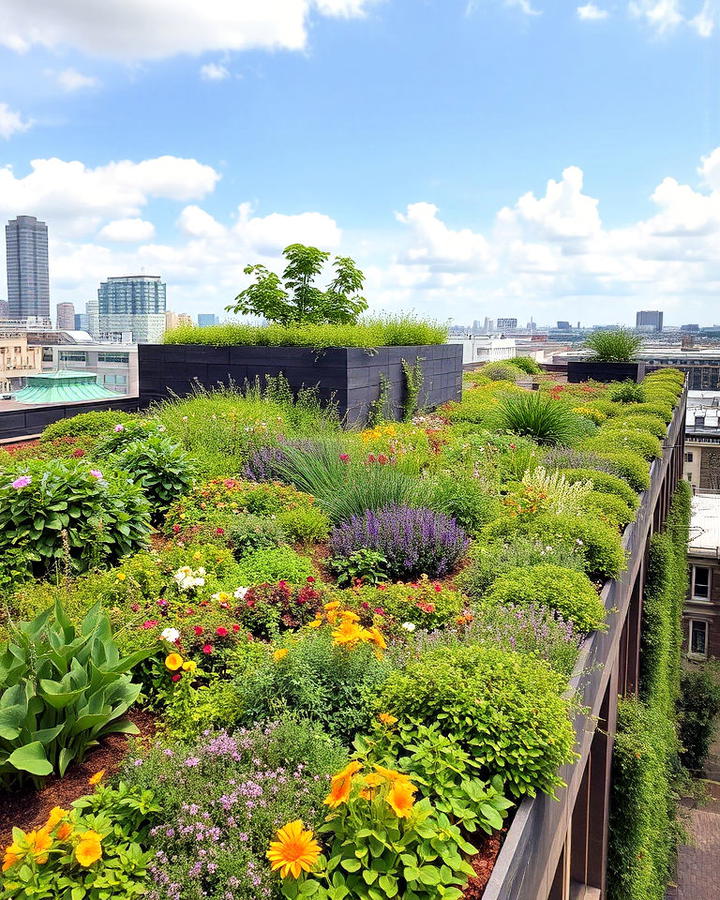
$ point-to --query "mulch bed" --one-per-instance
(29, 809)
(483, 863)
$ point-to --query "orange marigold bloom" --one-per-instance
(89, 849)
(64, 831)
(295, 850)
(97, 777)
(348, 633)
(57, 814)
(376, 637)
(173, 661)
(348, 616)
(400, 798)
(387, 718)
(280, 654)
(341, 785)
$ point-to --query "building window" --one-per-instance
(699, 420)
(701, 583)
(688, 475)
(113, 357)
(698, 638)
(688, 457)
(73, 356)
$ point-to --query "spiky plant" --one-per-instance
(619, 345)
(563, 497)
(540, 417)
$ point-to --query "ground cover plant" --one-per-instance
(345, 639)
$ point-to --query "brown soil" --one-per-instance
(29, 809)
(483, 863)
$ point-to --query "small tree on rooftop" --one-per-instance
(619, 345)
(293, 299)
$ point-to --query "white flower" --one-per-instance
(408, 626)
(170, 634)
(240, 593)
(186, 579)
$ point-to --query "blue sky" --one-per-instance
(500, 157)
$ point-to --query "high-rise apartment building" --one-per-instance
(207, 319)
(65, 316)
(82, 322)
(506, 323)
(26, 241)
(649, 320)
(131, 303)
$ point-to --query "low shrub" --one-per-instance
(90, 423)
(611, 508)
(223, 797)
(360, 567)
(540, 417)
(652, 424)
(699, 709)
(500, 371)
(414, 542)
(273, 565)
(526, 364)
(243, 533)
(621, 438)
(268, 609)
(570, 593)
(604, 482)
(662, 411)
(426, 604)
(63, 688)
(465, 500)
(304, 524)
(627, 392)
(62, 512)
(161, 468)
(631, 467)
(564, 458)
(505, 709)
(617, 345)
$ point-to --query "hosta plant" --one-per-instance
(63, 688)
(63, 511)
(160, 467)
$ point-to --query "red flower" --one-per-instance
(176, 677)
(151, 623)
(207, 649)
(382, 459)
(371, 457)
(283, 585)
(365, 604)
(311, 579)
(219, 531)
(176, 528)
(438, 587)
(221, 631)
(344, 457)
(78, 453)
(236, 628)
(198, 630)
(382, 587)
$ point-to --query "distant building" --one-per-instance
(701, 364)
(702, 441)
(649, 320)
(692, 328)
(701, 615)
(481, 350)
(562, 325)
(17, 359)
(505, 324)
(81, 322)
(65, 316)
(26, 241)
(4, 309)
(131, 304)
(207, 319)
(174, 320)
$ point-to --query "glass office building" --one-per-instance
(132, 303)
(26, 241)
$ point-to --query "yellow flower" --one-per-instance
(348, 633)
(64, 831)
(401, 799)
(376, 637)
(341, 784)
(189, 665)
(89, 850)
(387, 719)
(348, 615)
(97, 777)
(57, 814)
(38, 842)
(280, 654)
(316, 623)
(121, 576)
(173, 661)
(295, 850)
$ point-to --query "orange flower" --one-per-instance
(89, 850)
(57, 814)
(400, 798)
(280, 654)
(387, 719)
(341, 784)
(348, 633)
(376, 637)
(295, 851)
(391, 775)
(173, 661)
(348, 616)
(97, 777)
(64, 831)
(38, 842)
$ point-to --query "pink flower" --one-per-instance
(176, 528)
(207, 649)
(198, 630)
(221, 631)
(219, 531)
(119, 428)
(96, 473)
(236, 628)
(149, 623)
(22, 482)
(344, 457)
(438, 587)
(176, 677)
(311, 579)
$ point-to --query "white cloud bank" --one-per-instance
(591, 13)
(154, 29)
(11, 122)
(666, 16)
(71, 80)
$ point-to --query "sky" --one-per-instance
(475, 157)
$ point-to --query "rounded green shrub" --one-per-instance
(306, 525)
(642, 422)
(504, 708)
(606, 407)
(569, 593)
(663, 411)
(62, 511)
(604, 482)
(631, 467)
(659, 394)
(161, 468)
(500, 371)
(91, 423)
(275, 564)
(627, 392)
(244, 533)
(647, 445)
(611, 508)
(526, 364)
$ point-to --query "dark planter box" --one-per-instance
(348, 376)
(30, 420)
(587, 369)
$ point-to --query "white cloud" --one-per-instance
(706, 19)
(662, 16)
(270, 234)
(435, 244)
(127, 231)
(72, 80)
(11, 122)
(214, 72)
(591, 13)
(138, 29)
(525, 6)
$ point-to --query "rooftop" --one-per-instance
(705, 525)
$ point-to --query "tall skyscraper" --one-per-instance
(649, 320)
(26, 241)
(82, 322)
(132, 303)
(4, 309)
(65, 317)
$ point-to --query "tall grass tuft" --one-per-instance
(619, 345)
(540, 417)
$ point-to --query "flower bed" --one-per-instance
(352, 641)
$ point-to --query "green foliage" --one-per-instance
(604, 482)
(643, 422)
(627, 392)
(624, 438)
(629, 466)
(244, 533)
(91, 423)
(377, 412)
(619, 345)
(363, 565)
(317, 680)
(540, 417)
(305, 524)
(414, 378)
(388, 331)
(62, 512)
(656, 408)
(504, 709)
(466, 500)
(63, 689)
(275, 564)
(699, 710)
(426, 604)
(526, 364)
(501, 370)
(570, 593)
(610, 508)
(161, 468)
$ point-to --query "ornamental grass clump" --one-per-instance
(541, 417)
(618, 345)
(414, 542)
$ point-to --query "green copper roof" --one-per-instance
(63, 386)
